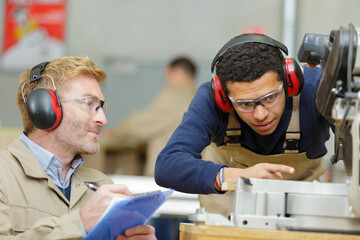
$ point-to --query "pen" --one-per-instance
(91, 186)
(94, 188)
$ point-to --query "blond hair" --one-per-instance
(60, 70)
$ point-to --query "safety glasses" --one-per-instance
(89, 103)
(266, 101)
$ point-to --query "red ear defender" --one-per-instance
(219, 95)
(56, 108)
(43, 105)
(43, 109)
(293, 76)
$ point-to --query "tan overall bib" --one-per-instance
(234, 155)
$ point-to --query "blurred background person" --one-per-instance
(153, 125)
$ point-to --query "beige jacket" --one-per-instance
(154, 124)
(32, 206)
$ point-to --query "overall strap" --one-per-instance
(291, 142)
(292, 138)
(233, 131)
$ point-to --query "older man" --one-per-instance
(42, 181)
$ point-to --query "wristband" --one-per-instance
(219, 179)
(221, 176)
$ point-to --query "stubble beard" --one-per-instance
(75, 138)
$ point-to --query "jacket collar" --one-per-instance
(27, 160)
(32, 167)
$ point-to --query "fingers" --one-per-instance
(278, 168)
(140, 230)
(93, 209)
(145, 232)
(278, 175)
(260, 170)
(116, 189)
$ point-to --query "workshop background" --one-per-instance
(134, 40)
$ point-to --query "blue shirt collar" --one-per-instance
(51, 163)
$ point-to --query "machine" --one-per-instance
(312, 206)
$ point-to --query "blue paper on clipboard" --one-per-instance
(127, 213)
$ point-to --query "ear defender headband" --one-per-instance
(43, 106)
(293, 77)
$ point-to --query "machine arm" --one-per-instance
(338, 89)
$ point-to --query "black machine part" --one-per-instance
(336, 53)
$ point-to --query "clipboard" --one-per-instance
(127, 213)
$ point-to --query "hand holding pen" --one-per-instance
(94, 188)
(91, 212)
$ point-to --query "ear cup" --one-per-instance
(43, 109)
(219, 95)
(293, 76)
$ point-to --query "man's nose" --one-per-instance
(100, 117)
(260, 111)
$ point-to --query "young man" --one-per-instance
(245, 114)
(42, 183)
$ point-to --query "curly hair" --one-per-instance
(249, 61)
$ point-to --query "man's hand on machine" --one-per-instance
(260, 170)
